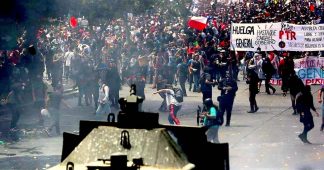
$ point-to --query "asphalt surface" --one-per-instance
(263, 140)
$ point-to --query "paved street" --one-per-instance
(263, 140)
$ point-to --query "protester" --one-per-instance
(67, 62)
(161, 83)
(255, 65)
(195, 68)
(253, 80)
(118, 45)
(228, 87)
(15, 102)
(173, 105)
(295, 85)
(39, 92)
(304, 104)
(209, 120)
(103, 100)
(53, 106)
(268, 70)
(114, 82)
(206, 84)
(286, 68)
(182, 74)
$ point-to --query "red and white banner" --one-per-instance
(198, 23)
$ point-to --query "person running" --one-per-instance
(304, 104)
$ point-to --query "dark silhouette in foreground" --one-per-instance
(182, 141)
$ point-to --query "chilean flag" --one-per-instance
(198, 23)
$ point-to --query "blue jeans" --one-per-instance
(182, 82)
(227, 106)
(212, 134)
(196, 77)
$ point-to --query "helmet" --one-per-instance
(208, 102)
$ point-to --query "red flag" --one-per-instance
(198, 23)
(73, 22)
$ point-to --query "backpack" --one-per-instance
(267, 67)
(178, 94)
(219, 118)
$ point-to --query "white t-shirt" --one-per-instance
(103, 94)
(170, 99)
(259, 69)
(68, 56)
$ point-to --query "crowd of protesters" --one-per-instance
(153, 48)
(258, 65)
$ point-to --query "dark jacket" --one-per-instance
(304, 101)
(295, 85)
(253, 81)
(205, 87)
(228, 82)
(267, 67)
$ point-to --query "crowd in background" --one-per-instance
(152, 48)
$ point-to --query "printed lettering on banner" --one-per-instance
(277, 36)
(309, 69)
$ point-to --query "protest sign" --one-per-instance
(309, 69)
(277, 36)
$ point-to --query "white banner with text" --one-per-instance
(277, 36)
